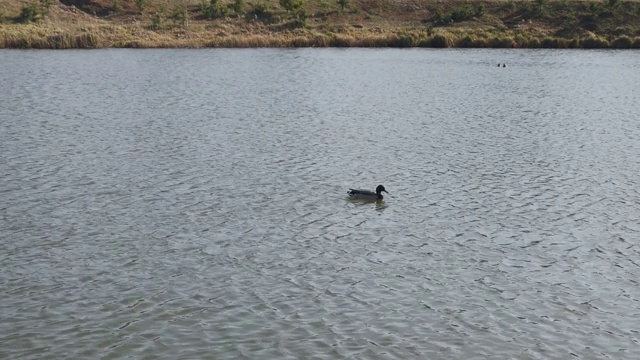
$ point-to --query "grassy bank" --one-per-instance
(62, 24)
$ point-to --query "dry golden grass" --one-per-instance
(366, 23)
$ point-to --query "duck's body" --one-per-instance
(367, 194)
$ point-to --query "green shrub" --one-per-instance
(180, 16)
(260, 11)
(238, 7)
(299, 19)
(595, 7)
(30, 13)
(540, 9)
(462, 13)
(441, 18)
(214, 9)
(343, 4)
(570, 22)
(589, 22)
(141, 4)
(3, 19)
(156, 21)
(115, 6)
(291, 6)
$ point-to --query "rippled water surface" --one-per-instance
(192, 204)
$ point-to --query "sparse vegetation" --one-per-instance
(294, 23)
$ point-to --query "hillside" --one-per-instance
(295, 23)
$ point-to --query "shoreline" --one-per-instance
(523, 24)
(66, 40)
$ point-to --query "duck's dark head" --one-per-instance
(380, 189)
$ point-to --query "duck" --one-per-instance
(367, 194)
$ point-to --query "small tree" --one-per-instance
(156, 21)
(238, 7)
(29, 13)
(115, 6)
(343, 4)
(291, 6)
(180, 16)
(141, 4)
(259, 11)
(540, 8)
(214, 9)
(301, 18)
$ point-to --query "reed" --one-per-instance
(375, 40)
(623, 42)
(443, 41)
(595, 43)
(503, 42)
(555, 43)
(58, 41)
(87, 41)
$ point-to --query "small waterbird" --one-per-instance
(366, 194)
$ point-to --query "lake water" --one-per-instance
(191, 204)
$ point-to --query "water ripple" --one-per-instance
(196, 208)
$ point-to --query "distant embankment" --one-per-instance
(64, 24)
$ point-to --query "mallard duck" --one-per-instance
(366, 194)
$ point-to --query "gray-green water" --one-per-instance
(191, 204)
